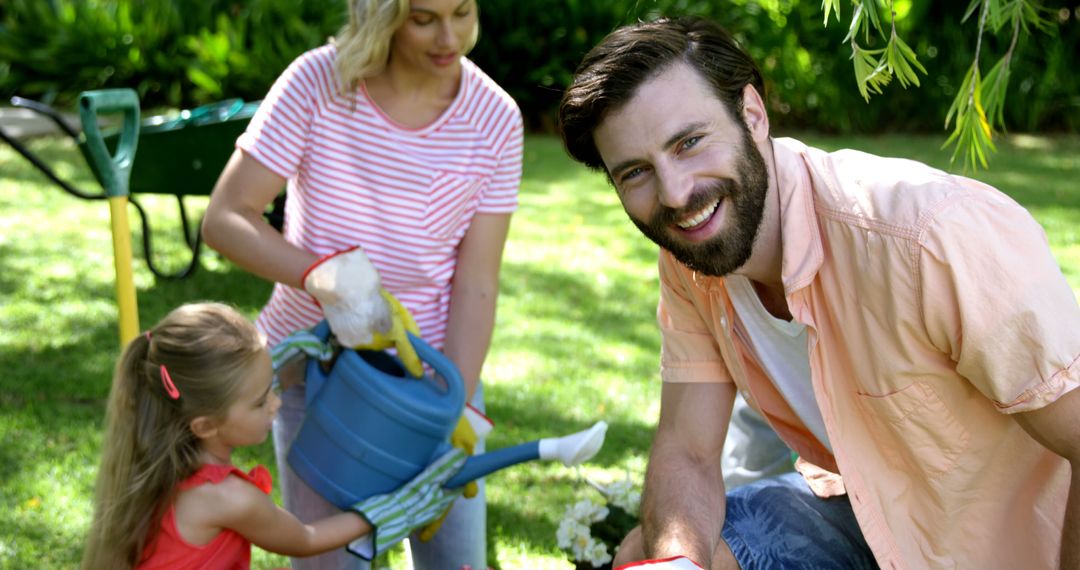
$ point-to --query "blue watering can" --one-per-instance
(370, 427)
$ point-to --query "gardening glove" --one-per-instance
(673, 563)
(346, 285)
(471, 428)
(401, 323)
(394, 515)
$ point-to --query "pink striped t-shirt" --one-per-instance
(406, 196)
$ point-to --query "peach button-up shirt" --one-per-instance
(934, 309)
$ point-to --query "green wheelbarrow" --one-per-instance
(180, 155)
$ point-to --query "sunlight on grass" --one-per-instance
(576, 340)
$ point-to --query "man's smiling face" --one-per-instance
(689, 174)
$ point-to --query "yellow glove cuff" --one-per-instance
(402, 322)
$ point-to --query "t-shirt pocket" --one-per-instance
(914, 428)
(451, 204)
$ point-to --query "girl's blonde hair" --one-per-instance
(363, 44)
(149, 448)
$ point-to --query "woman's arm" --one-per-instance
(474, 292)
(234, 223)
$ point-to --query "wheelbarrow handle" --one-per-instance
(43, 109)
(115, 169)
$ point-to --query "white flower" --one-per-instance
(622, 494)
(582, 545)
(569, 532)
(587, 511)
(597, 554)
(574, 534)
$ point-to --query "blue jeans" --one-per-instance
(460, 541)
(778, 522)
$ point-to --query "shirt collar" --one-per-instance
(803, 253)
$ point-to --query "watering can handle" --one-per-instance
(115, 169)
(438, 361)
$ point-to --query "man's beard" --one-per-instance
(729, 249)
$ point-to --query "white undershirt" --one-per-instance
(781, 349)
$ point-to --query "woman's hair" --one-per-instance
(201, 349)
(610, 74)
(363, 44)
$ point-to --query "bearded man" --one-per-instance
(905, 331)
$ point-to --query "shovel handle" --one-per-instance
(114, 169)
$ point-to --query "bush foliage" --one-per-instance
(181, 54)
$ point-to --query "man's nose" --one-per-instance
(675, 187)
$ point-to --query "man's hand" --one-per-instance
(675, 563)
(346, 285)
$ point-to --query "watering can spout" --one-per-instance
(573, 449)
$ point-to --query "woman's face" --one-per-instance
(434, 36)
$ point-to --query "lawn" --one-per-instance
(575, 342)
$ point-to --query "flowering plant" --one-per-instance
(590, 531)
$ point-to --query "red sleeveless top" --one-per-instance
(227, 551)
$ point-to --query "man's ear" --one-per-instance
(755, 114)
(204, 427)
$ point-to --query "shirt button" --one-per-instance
(723, 322)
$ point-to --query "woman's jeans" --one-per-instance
(462, 539)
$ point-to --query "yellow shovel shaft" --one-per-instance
(125, 283)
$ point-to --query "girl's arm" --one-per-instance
(234, 223)
(238, 505)
(475, 290)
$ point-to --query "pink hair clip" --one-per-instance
(170, 388)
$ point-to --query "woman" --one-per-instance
(391, 140)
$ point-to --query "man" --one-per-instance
(906, 332)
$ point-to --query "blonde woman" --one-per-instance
(392, 142)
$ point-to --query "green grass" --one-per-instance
(576, 339)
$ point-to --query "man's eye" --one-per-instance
(690, 142)
(632, 173)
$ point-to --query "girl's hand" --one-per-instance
(396, 514)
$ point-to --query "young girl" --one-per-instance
(185, 394)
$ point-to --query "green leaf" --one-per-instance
(873, 15)
(902, 62)
(871, 74)
(205, 81)
(994, 89)
(829, 6)
(971, 9)
(972, 135)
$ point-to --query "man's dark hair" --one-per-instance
(611, 73)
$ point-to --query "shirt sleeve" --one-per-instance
(501, 194)
(689, 352)
(278, 132)
(995, 301)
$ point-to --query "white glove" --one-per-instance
(674, 563)
(346, 286)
